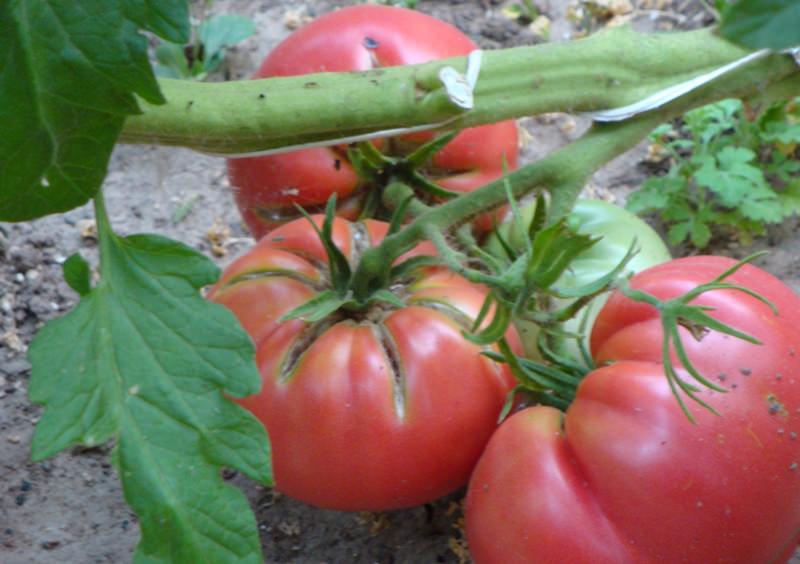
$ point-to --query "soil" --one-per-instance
(69, 508)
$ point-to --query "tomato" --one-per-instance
(619, 230)
(624, 476)
(370, 410)
(360, 38)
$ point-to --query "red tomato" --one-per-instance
(352, 39)
(378, 409)
(624, 476)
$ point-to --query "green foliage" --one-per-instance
(524, 11)
(65, 91)
(144, 360)
(410, 4)
(728, 175)
(759, 24)
(199, 59)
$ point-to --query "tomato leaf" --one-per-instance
(145, 360)
(68, 74)
(77, 274)
(221, 32)
(771, 24)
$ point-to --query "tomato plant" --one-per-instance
(358, 405)
(619, 231)
(145, 363)
(363, 38)
(623, 475)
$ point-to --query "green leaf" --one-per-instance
(759, 24)
(655, 194)
(782, 132)
(709, 122)
(790, 199)
(169, 19)
(701, 234)
(77, 274)
(679, 232)
(732, 177)
(68, 74)
(221, 32)
(767, 209)
(172, 61)
(146, 361)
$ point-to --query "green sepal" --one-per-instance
(426, 152)
(601, 284)
(679, 312)
(496, 329)
(317, 308)
(338, 264)
(399, 215)
(408, 266)
(539, 217)
(431, 188)
(388, 297)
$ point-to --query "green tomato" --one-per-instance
(618, 228)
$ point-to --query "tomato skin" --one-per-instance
(626, 477)
(384, 410)
(266, 188)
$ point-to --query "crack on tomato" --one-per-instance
(359, 241)
(262, 274)
(301, 344)
(392, 354)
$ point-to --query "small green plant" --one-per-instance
(205, 54)
(525, 11)
(730, 174)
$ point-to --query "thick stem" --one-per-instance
(563, 174)
(608, 69)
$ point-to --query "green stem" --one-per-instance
(562, 169)
(609, 69)
(562, 173)
(105, 236)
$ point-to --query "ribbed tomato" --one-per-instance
(377, 409)
(624, 476)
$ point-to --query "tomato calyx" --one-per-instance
(382, 169)
(523, 288)
(679, 312)
(340, 295)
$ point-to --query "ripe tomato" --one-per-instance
(355, 39)
(624, 476)
(619, 230)
(377, 409)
